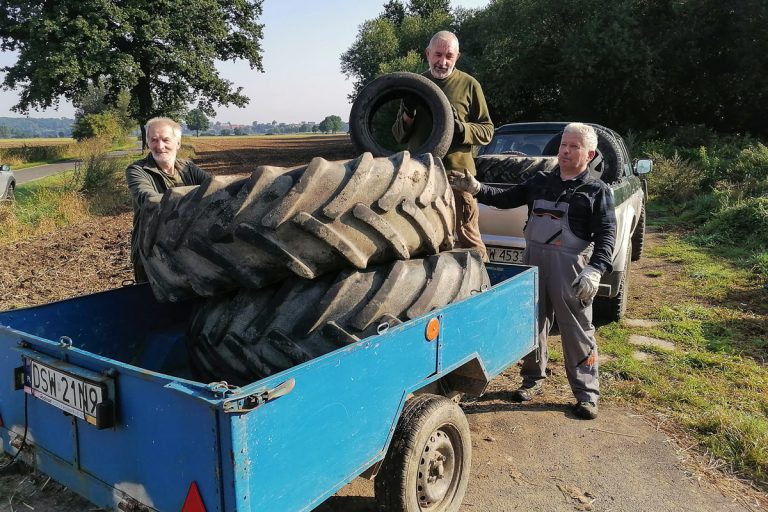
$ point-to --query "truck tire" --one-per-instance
(394, 86)
(613, 309)
(252, 334)
(638, 236)
(428, 462)
(233, 232)
(609, 163)
(511, 169)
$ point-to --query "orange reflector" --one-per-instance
(194, 502)
(433, 329)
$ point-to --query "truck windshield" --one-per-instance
(530, 144)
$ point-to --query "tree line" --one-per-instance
(628, 64)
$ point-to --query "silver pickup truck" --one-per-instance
(518, 151)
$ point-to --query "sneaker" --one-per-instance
(526, 394)
(585, 410)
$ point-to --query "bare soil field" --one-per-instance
(535, 457)
(15, 143)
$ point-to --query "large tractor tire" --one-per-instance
(250, 232)
(608, 164)
(244, 337)
(392, 87)
(511, 169)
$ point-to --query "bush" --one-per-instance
(674, 179)
(101, 178)
(25, 154)
(744, 224)
(751, 169)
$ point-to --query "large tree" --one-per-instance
(197, 120)
(163, 53)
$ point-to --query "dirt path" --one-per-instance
(534, 457)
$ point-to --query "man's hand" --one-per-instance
(458, 127)
(586, 284)
(463, 181)
(410, 102)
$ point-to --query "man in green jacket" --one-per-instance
(472, 125)
(156, 173)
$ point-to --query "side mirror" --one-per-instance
(643, 166)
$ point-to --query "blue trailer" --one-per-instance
(97, 394)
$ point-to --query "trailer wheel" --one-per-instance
(427, 466)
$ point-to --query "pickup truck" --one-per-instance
(97, 392)
(520, 150)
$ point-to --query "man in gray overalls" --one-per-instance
(570, 235)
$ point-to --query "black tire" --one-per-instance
(428, 463)
(256, 333)
(613, 309)
(609, 162)
(394, 86)
(10, 195)
(232, 232)
(638, 236)
(511, 169)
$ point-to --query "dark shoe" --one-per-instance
(525, 394)
(585, 410)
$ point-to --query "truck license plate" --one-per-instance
(504, 255)
(71, 393)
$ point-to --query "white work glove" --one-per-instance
(586, 284)
(464, 182)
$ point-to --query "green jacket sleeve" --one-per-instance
(478, 127)
(141, 185)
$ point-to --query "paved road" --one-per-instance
(42, 171)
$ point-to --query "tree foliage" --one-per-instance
(331, 124)
(629, 64)
(163, 53)
(197, 120)
(97, 118)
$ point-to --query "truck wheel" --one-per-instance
(613, 309)
(391, 87)
(428, 463)
(638, 236)
(256, 333)
(510, 169)
(611, 165)
(233, 232)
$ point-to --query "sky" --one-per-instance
(302, 79)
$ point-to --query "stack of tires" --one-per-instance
(296, 262)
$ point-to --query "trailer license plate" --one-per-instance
(504, 255)
(73, 394)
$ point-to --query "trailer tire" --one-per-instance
(392, 86)
(511, 169)
(638, 236)
(233, 232)
(613, 309)
(428, 462)
(255, 333)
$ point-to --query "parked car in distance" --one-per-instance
(7, 183)
(520, 150)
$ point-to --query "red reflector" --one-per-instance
(194, 502)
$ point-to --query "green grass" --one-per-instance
(715, 382)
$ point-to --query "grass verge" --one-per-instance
(713, 382)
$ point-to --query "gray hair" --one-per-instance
(587, 132)
(445, 35)
(165, 121)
